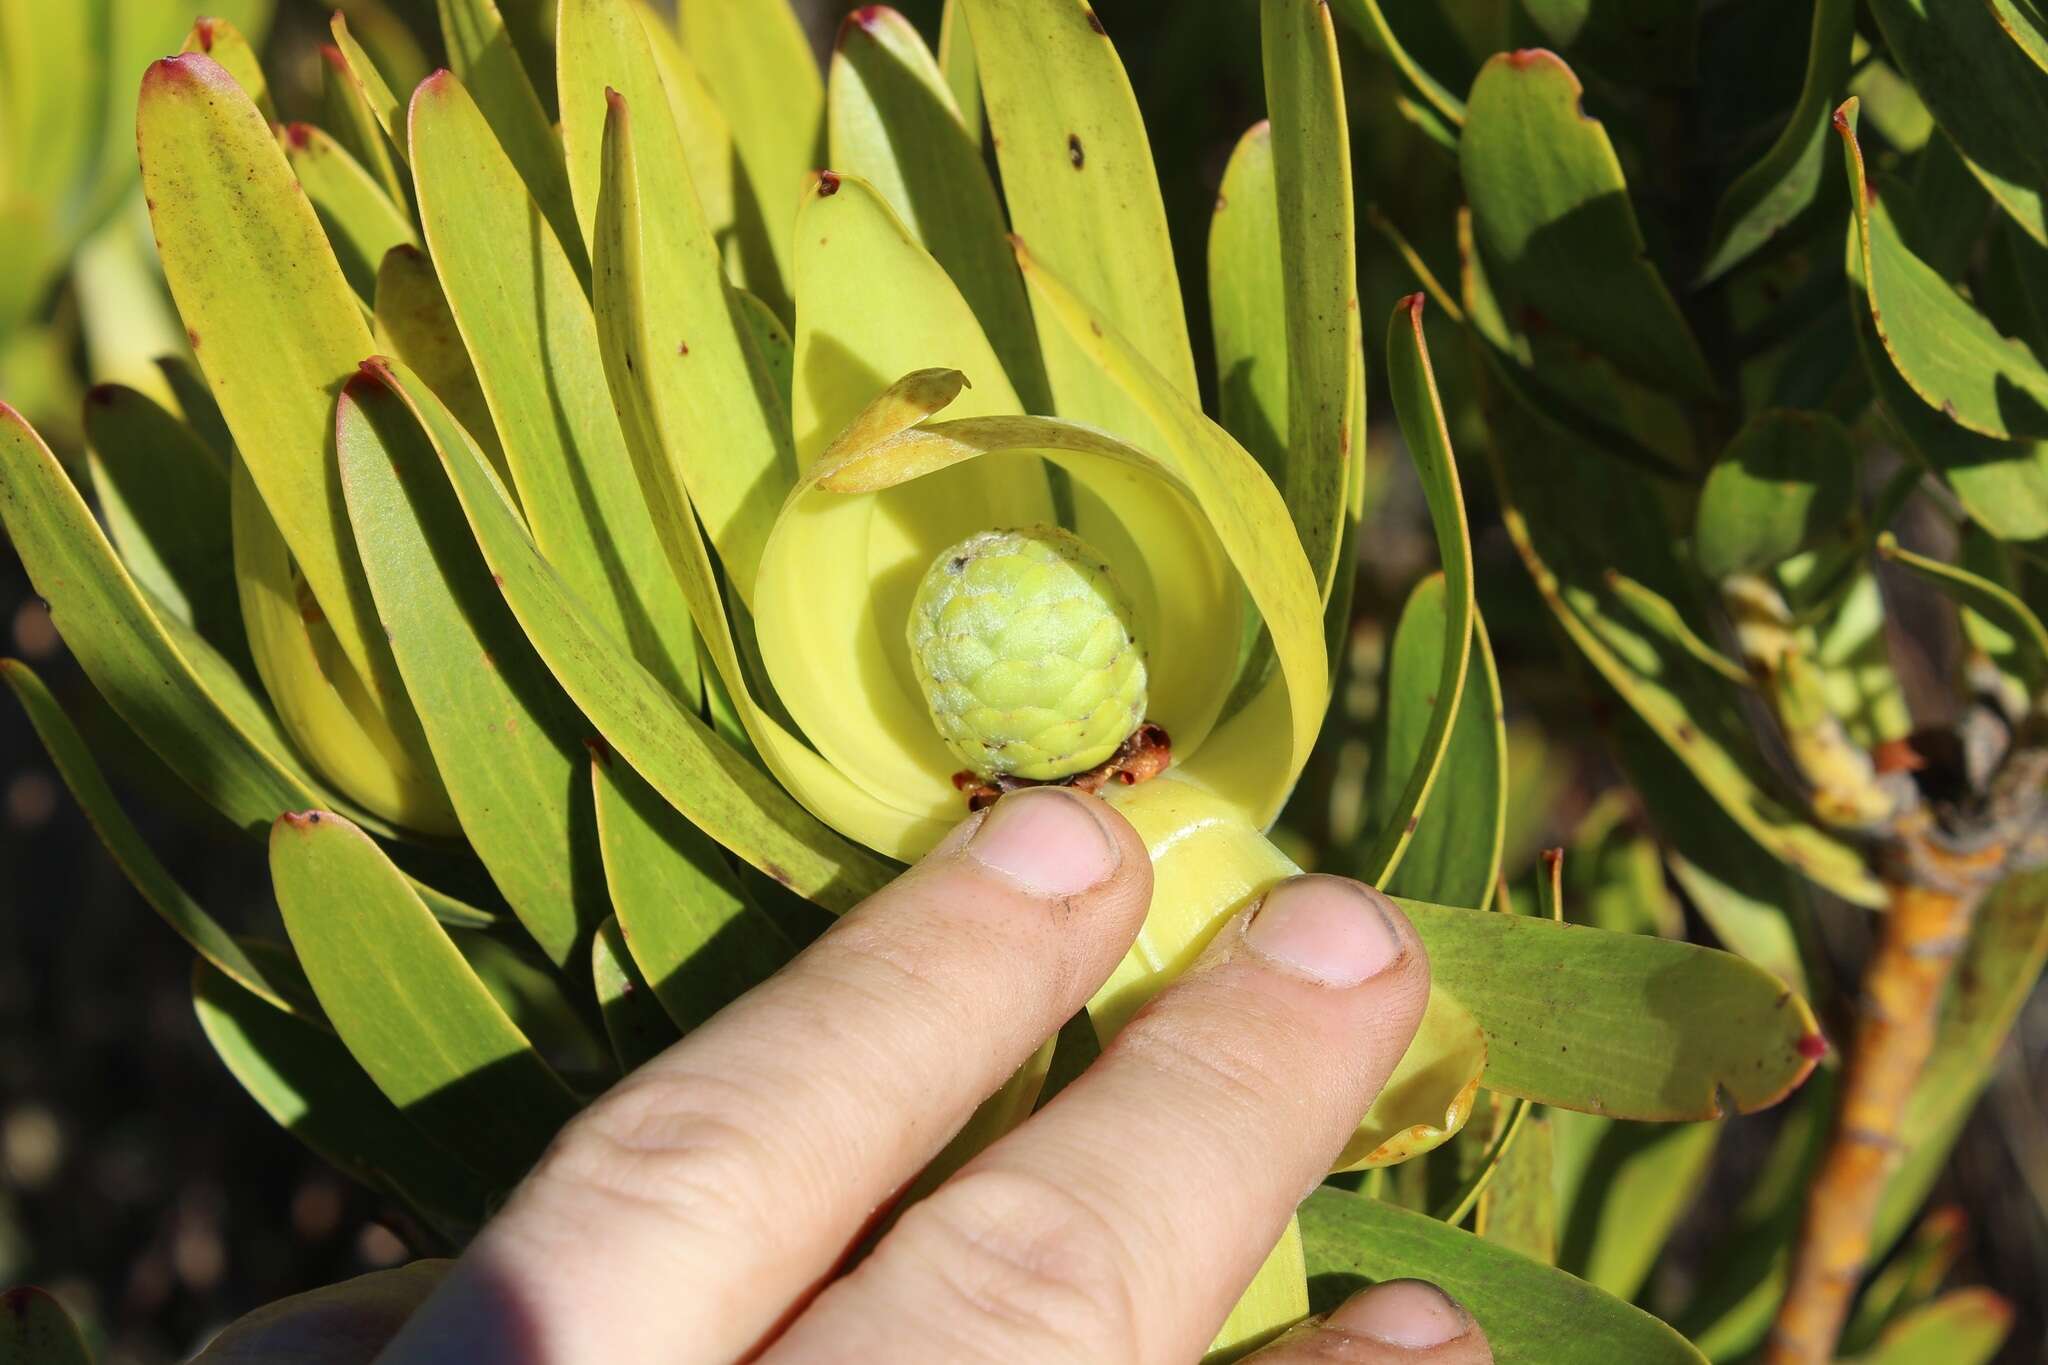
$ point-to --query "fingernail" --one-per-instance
(1046, 840)
(1410, 1313)
(1328, 929)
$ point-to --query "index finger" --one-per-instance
(691, 1209)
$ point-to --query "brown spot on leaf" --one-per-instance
(1095, 22)
(776, 871)
(600, 752)
(682, 348)
(192, 338)
(1075, 156)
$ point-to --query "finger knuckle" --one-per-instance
(690, 1164)
(1014, 1252)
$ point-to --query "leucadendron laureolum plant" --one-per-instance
(602, 531)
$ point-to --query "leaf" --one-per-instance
(1980, 87)
(1945, 350)
(531, 336)
(168, 685)
(164, 496)
(1519, 1208)
(507, 742)
(1995, 603)
(1429, 444)
(1767, 197)
(893, 122)
(407, 1006)
(707, 429)
(231, 50)
(1247, 305)
(1082, 192)
(757, 62)
(1551, 213)
(1446, 104)
(283, 987)
(691, 931)
(270, 316)
(362, 221)
(1310, 137)
(721, 792)
(372, 91)
(1529, 1311)
(1785, 482)
(414, 324)
(1576, 518)
(35, 1330)
(2024, 22)
(1964, 1327)
(354, 737)
(956, 59)
(2003, 485)
(1619, 1024)
(486, 56)
(707, 137)
(632, 1018)
(1454, 855)
(1622, 1189)
(346, 112)
(171, 687)
(310, 1086)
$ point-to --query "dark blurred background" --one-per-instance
(141, 1185)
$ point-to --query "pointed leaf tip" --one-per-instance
(615, 102)
(867, 18)
(828, 184)
(189, 67)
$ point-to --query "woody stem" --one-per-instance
(1928, 921)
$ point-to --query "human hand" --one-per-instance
(704, 1209)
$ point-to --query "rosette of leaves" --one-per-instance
(1715, 372)
(533, 571)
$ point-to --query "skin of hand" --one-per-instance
(707, 1208)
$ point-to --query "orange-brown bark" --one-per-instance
(1924, 930)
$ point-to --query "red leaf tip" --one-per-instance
(298, 134)
(1812, 1046)
(202, 29)
(333, 56)
(828, 184)
(300, 820)
(614, 101)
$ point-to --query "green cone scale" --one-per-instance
(1023, 645)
